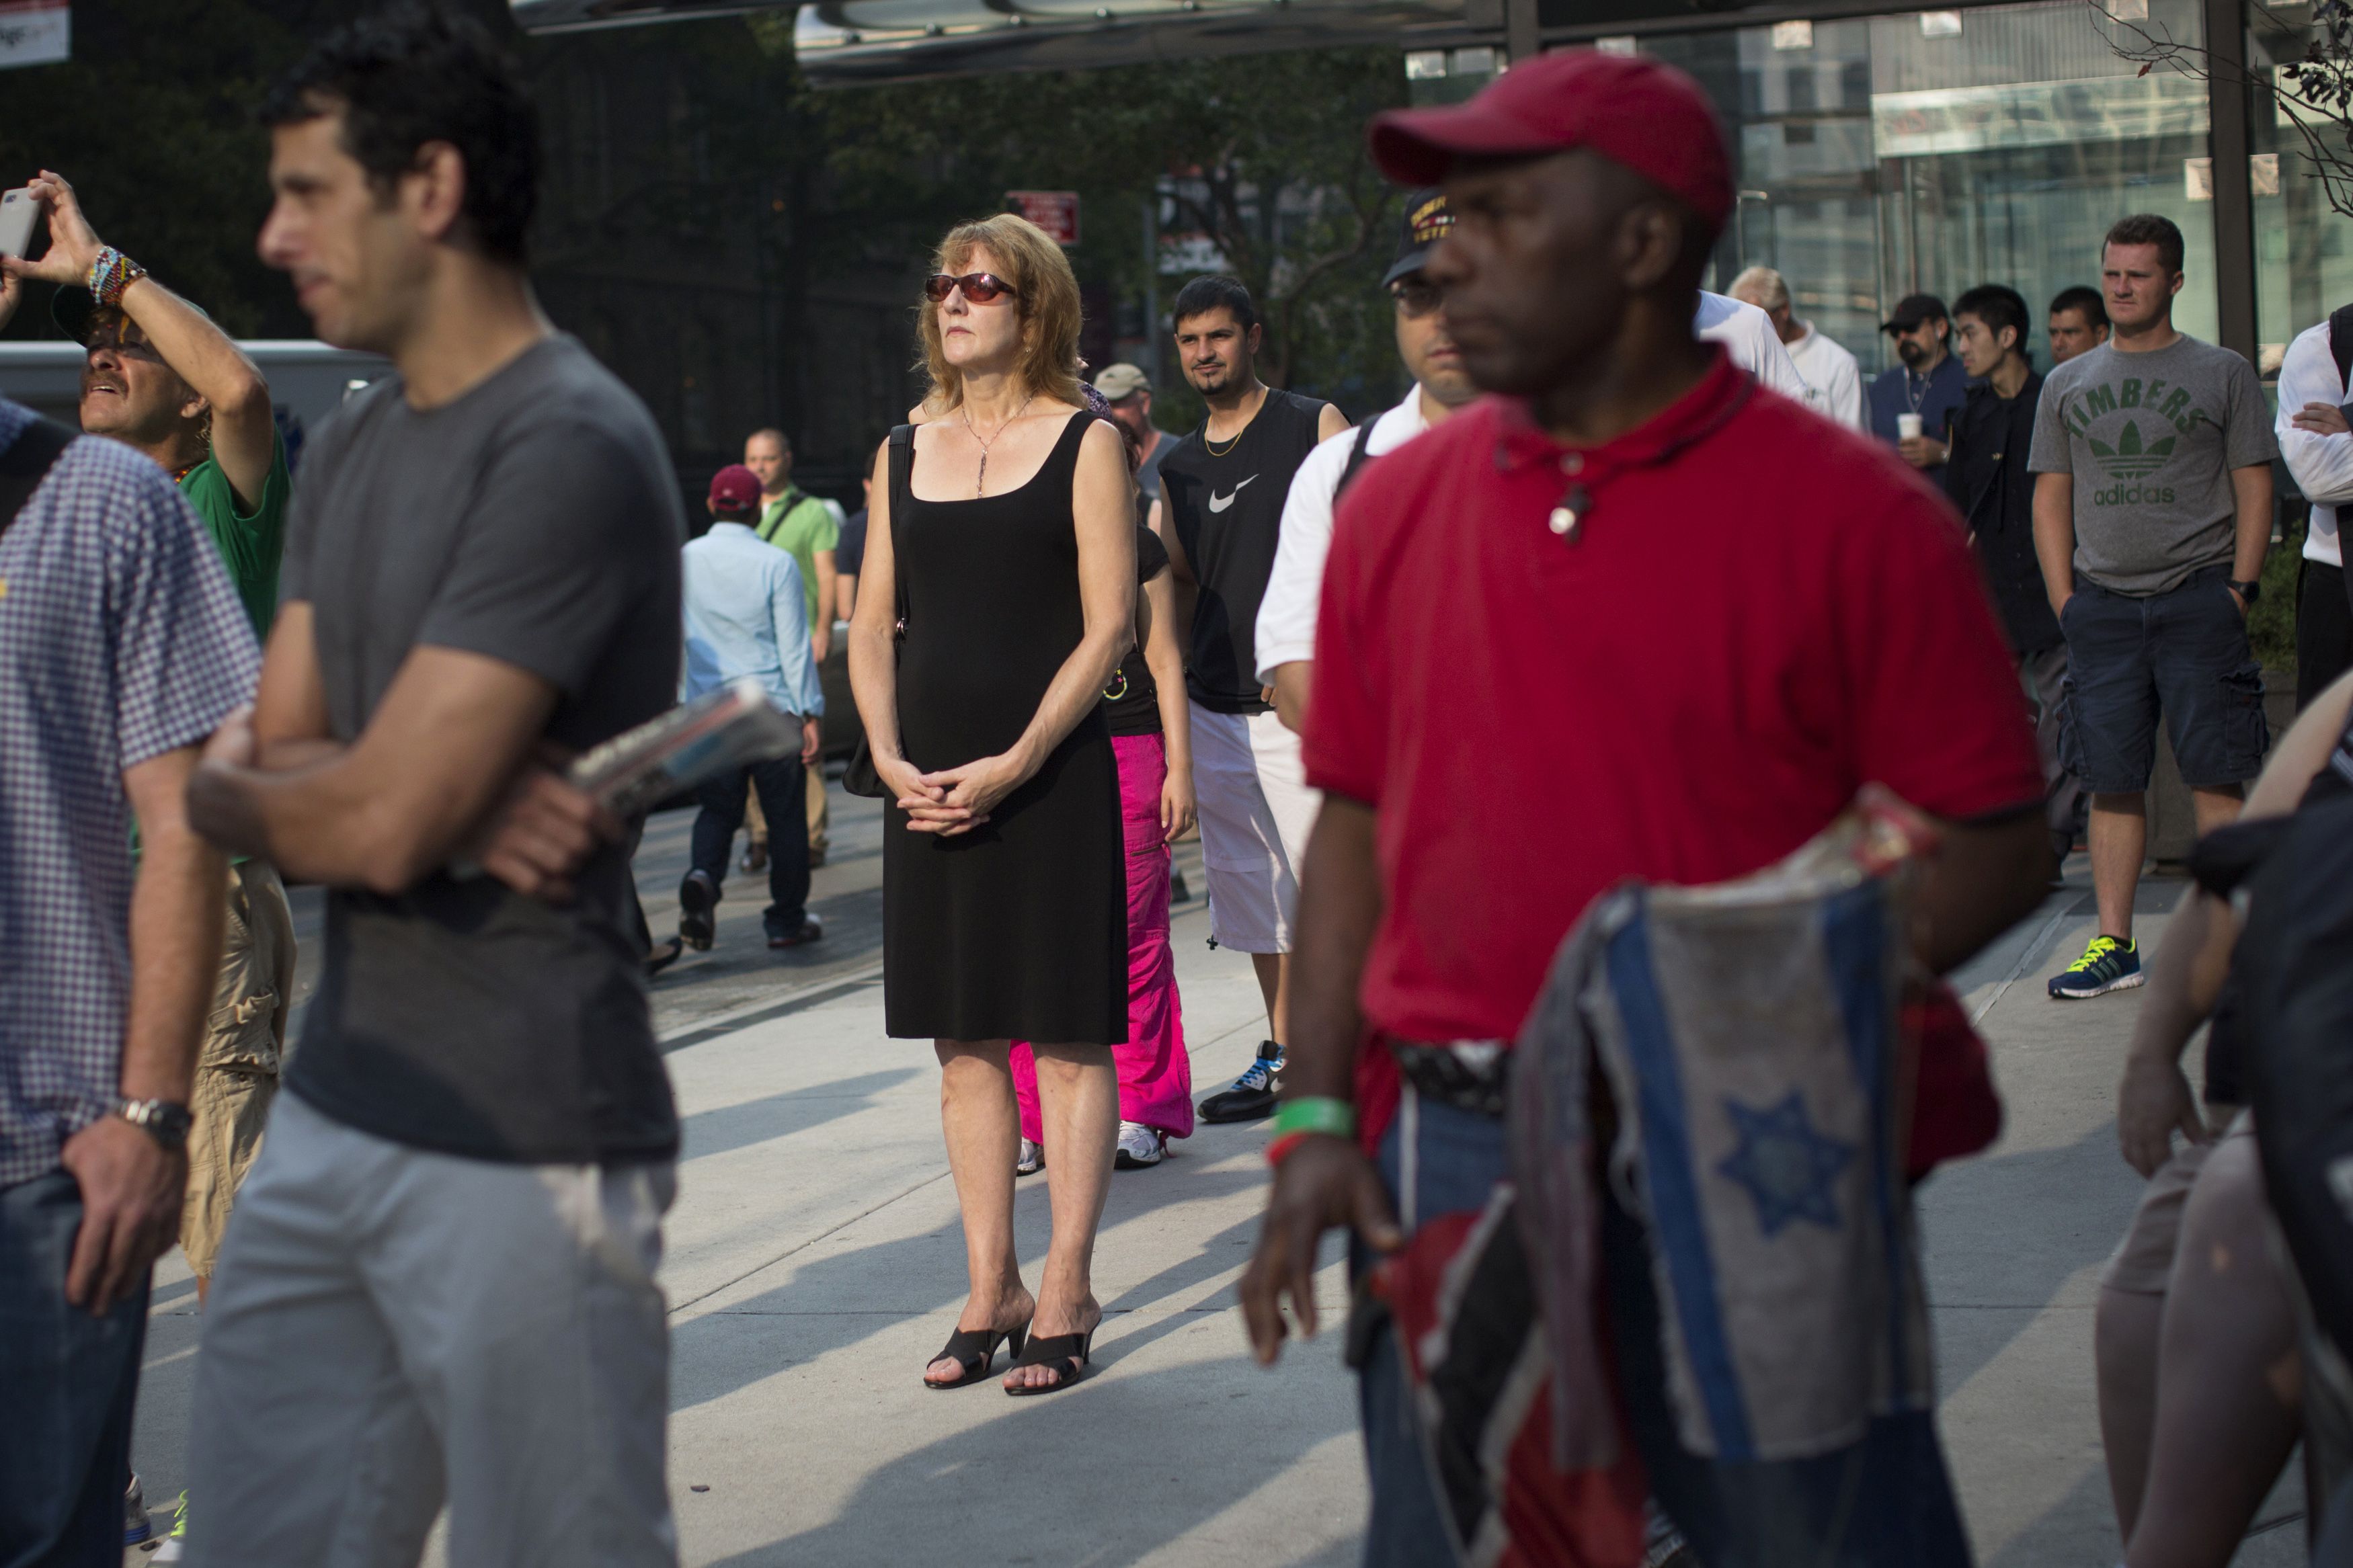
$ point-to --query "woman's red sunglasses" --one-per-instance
(980, 288)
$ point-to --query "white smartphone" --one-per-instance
(19, 212)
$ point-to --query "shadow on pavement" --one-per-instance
(1098, 1501)
(731, 1127)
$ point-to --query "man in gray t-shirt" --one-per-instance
(443, 1260)
(2152, 510)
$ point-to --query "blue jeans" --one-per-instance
(1434, 1159)
(1882, 1503)
(68, 1379)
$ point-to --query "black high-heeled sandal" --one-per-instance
(975, 1351)
(1069, 1354)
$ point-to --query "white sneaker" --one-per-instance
(1031, 1160)
(1140, 1147)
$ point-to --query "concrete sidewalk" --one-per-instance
(815, 1263)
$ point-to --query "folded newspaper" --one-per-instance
(640, 768)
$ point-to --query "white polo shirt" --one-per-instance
(1747, 334)
(2323, 465)
(1286, 614)
(1833, 380)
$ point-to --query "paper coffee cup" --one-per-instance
(1907, 425)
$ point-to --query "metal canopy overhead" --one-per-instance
(845, 42)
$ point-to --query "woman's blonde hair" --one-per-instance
(1046, 293)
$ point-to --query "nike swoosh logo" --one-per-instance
(1219, 503)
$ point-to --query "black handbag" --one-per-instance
(858, 777)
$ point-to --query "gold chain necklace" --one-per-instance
(980, 481)
(1212, 446)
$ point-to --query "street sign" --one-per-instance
(34, 32)
(1056, 212)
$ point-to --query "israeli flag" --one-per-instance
(1748, 1032)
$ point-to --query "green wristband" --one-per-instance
(1316, 1113)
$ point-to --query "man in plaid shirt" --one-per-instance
(122, 647)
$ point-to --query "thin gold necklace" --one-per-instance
(980, 481)
(1212, 446)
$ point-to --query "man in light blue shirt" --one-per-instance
(746, 615)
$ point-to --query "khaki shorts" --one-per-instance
(245, 1047)
(2143, 1261)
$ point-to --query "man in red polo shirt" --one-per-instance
(1634, 617)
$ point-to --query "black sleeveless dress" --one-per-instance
(1016, 930)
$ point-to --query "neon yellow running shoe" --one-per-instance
(2106, 965)
(177, 1542)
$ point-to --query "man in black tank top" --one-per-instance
(1222, 489)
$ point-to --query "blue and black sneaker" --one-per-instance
(136, 1527)
(1251, 1097)
(2106, 965)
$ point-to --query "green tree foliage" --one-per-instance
(692, 161)
(152, 121)
(1270, 154)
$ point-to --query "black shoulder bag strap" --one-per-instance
(2340, 346)
(858, 777)
(27, 462)
(1357, 453)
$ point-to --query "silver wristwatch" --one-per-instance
(159, 1119)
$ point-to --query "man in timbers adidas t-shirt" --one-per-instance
(2152, 510)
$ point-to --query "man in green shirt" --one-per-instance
(162, 379)
(808, 529)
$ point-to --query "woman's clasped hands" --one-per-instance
(954, 800)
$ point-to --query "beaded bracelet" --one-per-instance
(110, 274)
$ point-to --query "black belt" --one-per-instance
(1469, 1075)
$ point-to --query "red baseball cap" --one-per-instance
(734, 488)
(1634, 110)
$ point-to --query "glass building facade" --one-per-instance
(1930, 152)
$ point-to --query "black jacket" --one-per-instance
(1988, 479)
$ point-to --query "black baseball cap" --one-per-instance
(1426, 219)
(1913, 309)
(74, 308)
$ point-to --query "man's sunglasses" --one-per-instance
(1415, 297)
(980, 288)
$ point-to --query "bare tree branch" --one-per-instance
(2316, 91)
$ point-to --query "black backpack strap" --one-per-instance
(1357, 453)
(2340, 346)
(902, 496)
(25, 462)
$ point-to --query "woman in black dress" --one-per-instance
(1008, 546)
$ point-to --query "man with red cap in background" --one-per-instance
(1655, 622)
(746, 614)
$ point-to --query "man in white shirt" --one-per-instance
(2318, 443)
(1748, 335)
(1286, 616)
(1833, 379)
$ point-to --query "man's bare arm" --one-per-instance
(1984, 879)
(2250, 488)
(1291, 684)
(444, 749)
(131, 1185)
(2054, 536)
(828, 591)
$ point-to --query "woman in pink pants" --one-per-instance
(1145, 704)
